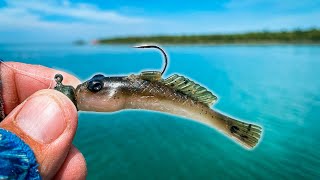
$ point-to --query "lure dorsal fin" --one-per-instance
(190, 88)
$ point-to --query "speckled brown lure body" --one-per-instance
(134, 92)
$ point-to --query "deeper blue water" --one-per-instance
(275, 86)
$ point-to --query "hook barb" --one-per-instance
(162, 51)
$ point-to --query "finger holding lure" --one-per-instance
(176, 95)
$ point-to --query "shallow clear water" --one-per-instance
(275, 86)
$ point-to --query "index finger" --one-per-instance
(20, 80)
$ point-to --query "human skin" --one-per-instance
(43, 118)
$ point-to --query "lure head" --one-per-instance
(101, 94)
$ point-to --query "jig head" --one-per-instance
(69, 91)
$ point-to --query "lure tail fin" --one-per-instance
(245, 133)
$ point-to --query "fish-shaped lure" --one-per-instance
(176, 95)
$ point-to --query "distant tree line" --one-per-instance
(296, 36)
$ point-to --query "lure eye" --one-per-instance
(95, 85)
(98, 76)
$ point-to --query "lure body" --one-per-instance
(137, 92)
(175, 95)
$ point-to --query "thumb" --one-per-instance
(47, 122)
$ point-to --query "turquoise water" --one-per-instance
(275, 86)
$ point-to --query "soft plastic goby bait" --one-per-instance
(174, 95)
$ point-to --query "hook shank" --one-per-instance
(162, 51)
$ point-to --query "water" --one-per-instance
(275, 86)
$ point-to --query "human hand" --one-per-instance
(45, 119)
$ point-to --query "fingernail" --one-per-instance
(42, 119)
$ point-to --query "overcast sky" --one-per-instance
(68, 20)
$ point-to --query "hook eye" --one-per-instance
(95, 85)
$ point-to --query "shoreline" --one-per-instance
(311, 36)
(215, 44)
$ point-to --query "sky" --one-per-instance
(70, 20)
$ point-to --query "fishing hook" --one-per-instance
(163, 52)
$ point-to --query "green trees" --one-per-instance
(296, 36)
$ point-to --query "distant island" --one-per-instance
(311, 36)
(79, 42)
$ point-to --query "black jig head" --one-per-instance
(69, 91)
